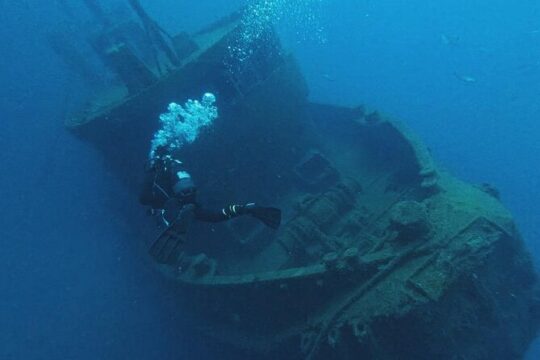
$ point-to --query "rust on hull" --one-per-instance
(381, 255)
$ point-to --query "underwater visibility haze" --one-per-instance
(367, 180)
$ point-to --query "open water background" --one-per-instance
(74, 286)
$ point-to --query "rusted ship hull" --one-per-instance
(382, 254)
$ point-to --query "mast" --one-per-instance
(154, 32)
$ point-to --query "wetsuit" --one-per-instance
(167, 194)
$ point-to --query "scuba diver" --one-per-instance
(170, 193)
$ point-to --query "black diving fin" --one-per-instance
(269, 216)
(165, 248)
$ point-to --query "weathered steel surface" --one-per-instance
(381, 255)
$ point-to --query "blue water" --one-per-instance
(74, 285)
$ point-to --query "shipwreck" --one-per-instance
(381, 255)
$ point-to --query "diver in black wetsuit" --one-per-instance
(170, 192)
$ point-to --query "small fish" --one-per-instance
(450, 40)
(328, 77)
(465, 78)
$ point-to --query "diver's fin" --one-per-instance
(271, 217)
(164, 250)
